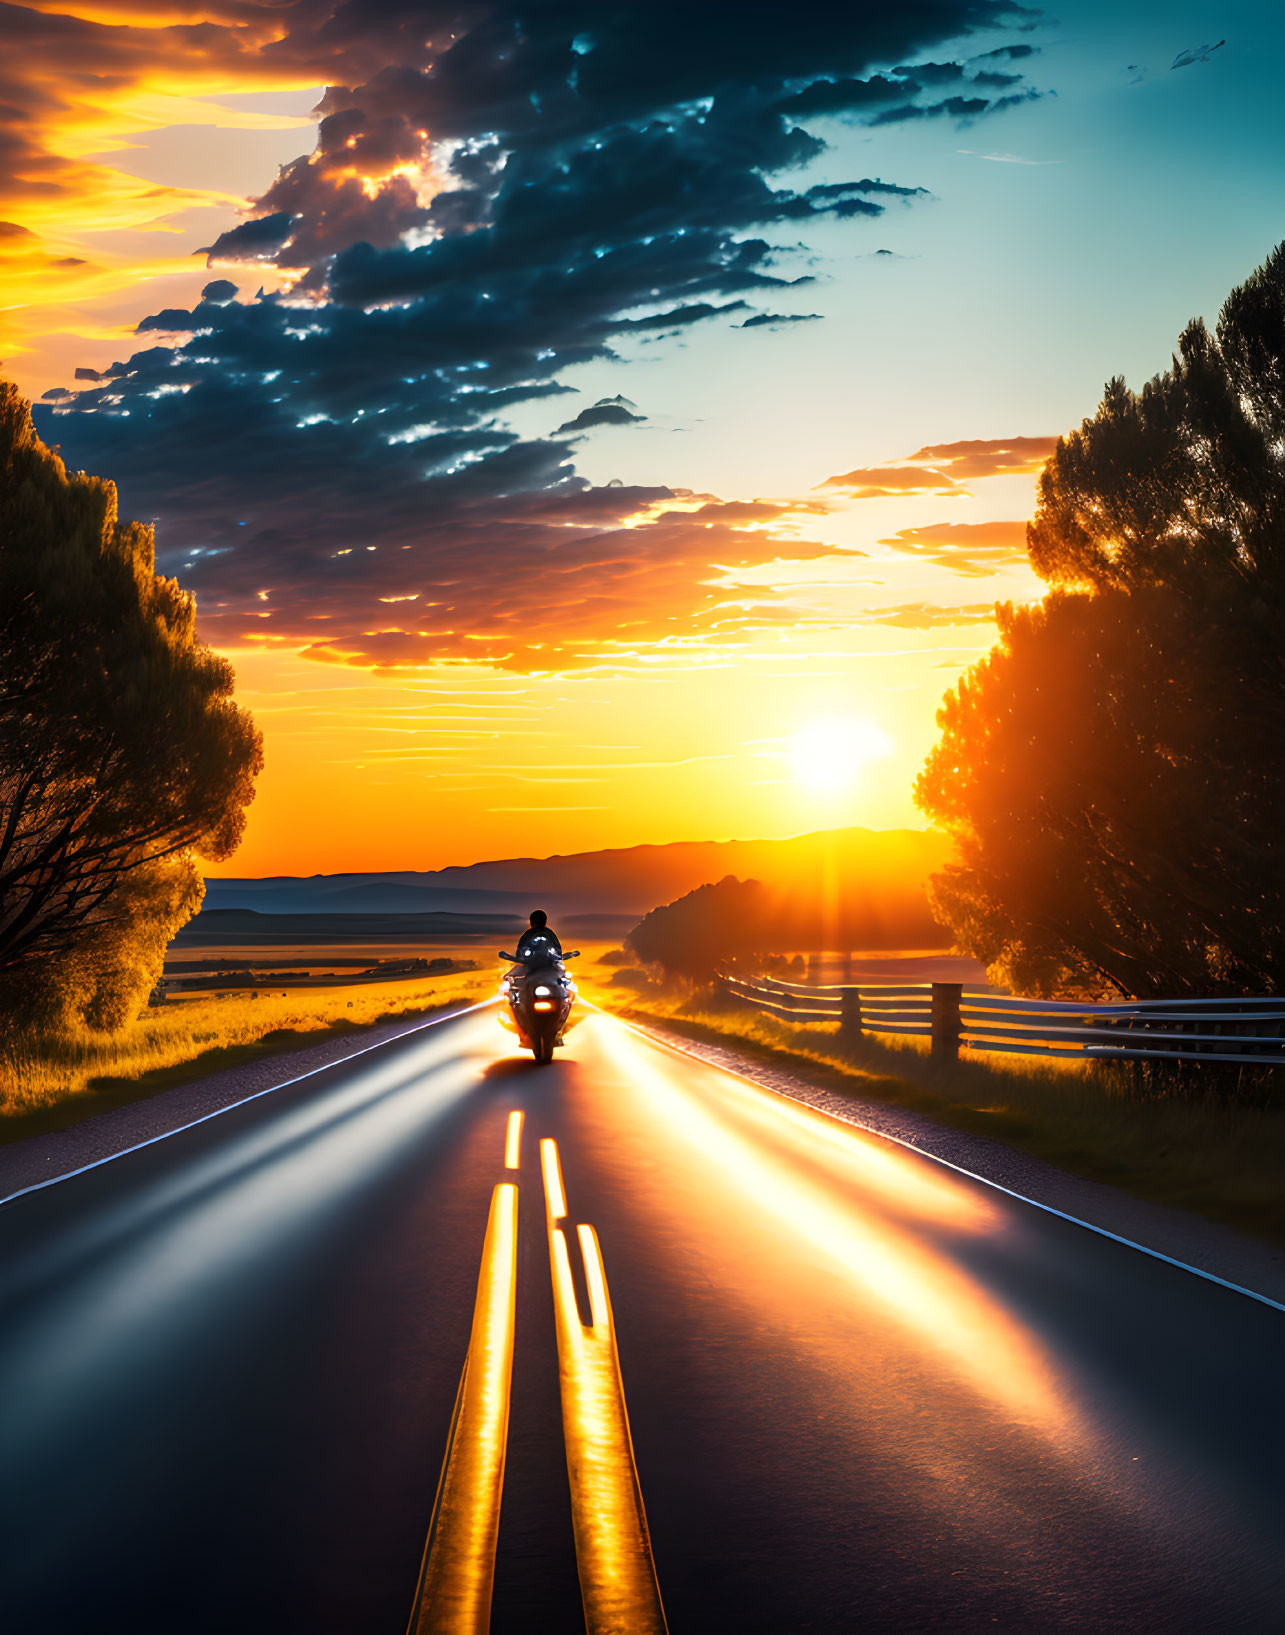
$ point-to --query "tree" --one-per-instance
(1113, 772)
(696, 934)
(121, 751)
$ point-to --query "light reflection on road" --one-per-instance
(858, 1230)
(975, 1380)
(138, 1280)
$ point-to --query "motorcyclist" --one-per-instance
(538, 938)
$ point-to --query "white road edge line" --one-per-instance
(433, 1021)
(851, 1124)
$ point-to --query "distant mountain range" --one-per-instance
(877, 876)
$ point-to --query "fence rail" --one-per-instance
(954, 1014)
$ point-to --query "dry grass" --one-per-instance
(1218, 1157)
(51, 1082)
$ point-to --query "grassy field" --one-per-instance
(51, 1083)
(1221, 1159)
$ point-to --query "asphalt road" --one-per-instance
(865, 1393)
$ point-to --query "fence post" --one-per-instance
(850, 1023)
(947, 1025)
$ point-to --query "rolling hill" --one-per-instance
(873, 878)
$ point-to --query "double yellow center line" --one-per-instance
(613, 1548)
(618, 1584)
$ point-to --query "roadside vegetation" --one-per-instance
(1113, 771)
(123, 756)
(53, 1079)
(1199, 1150)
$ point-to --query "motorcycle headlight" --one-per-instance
(544, 992)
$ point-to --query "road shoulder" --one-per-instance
(55, 1153)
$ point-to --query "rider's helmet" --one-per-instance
(541, 950)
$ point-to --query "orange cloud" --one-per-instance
(990, 457)
(944, 468)
(933, 616)
(76, 87)
(971, 549)
(78, 83)
(538, 584)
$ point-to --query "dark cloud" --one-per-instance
(259, 240)
(497, 193)
(848, 96)
(760, 319)
(937, 74)
(834, 190)
(974, 550)
(679, 317)
(607, 411)
(963, 109)
(895, 95)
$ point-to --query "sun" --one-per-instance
(828, 756)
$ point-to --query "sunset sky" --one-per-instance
(605, 423)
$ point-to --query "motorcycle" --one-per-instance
(537, 995)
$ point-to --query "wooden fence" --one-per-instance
(952, 1014)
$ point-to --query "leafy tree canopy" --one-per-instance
(734, 918)
(121, 750)
(696, 934)
(1113, 772)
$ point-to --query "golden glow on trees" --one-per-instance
(122, 753)
(1113, 772)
